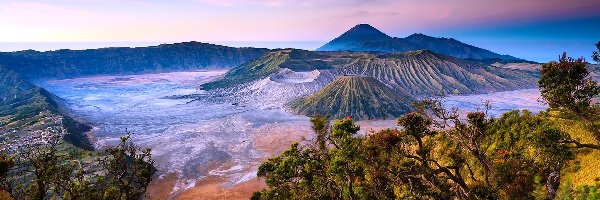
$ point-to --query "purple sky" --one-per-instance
(505, 26)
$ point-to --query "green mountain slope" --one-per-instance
(124, 60)
(25, 109)
(356, 96)
(418, 73)
(297, 60)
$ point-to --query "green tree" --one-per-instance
(344, 156)
(596, 54)
(326, 171)
(566, 84)
(129, 171)
(437, 155)
(321, 127)
(47, 169)
(6, 164)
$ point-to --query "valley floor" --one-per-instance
(208, 146)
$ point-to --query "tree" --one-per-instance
(6, 163)
(327, 170)
(46, 169)
(129, 171)
(343, 156)
(566, 84)
(321, 127)
(437, 155)
(596, 54)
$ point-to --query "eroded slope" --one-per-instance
(356, 96)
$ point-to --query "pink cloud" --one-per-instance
(260, 20)
(268, 3)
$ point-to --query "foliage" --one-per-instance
(129, 171)
(436, 156)
(596, 54)
(315, 173)
(566, 84)
(124, 60)
(42, 169)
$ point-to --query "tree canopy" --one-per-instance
(441, 154)
(43, 169)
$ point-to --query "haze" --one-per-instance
(537, 30)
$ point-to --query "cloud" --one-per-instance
(266, 3)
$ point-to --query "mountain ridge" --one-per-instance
(351, 41)
(125, 60)
(25, 107)
(415, 74)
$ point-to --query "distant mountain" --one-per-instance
(364, 37)
(124, 60)
(25, 108)
(425, 73)
(284, 76)
(356, 96)
(418, 73)
(452, 47)
(11, 85)
(293, 59)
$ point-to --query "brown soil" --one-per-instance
(271, 140)
(160, 189)
(211, 188)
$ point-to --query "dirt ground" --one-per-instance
(271, 140)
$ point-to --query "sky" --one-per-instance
(537, 30)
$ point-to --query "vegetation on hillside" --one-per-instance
(124, 60)
(517, 156)
(356, 96)
(25, 108)
(44, 168)
(45, 154)
(417, 73)
(596, 54)
(440, 155)
(273, 62)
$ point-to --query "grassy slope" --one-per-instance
(584, 170)
(110, 61)
(297, 60)
(417, 73)
(250, 71)
(25, 109)
(359, 97)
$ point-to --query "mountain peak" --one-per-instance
(417, 35)
(366, 38)
(354, 37)
(364, 27)
(365, 31)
